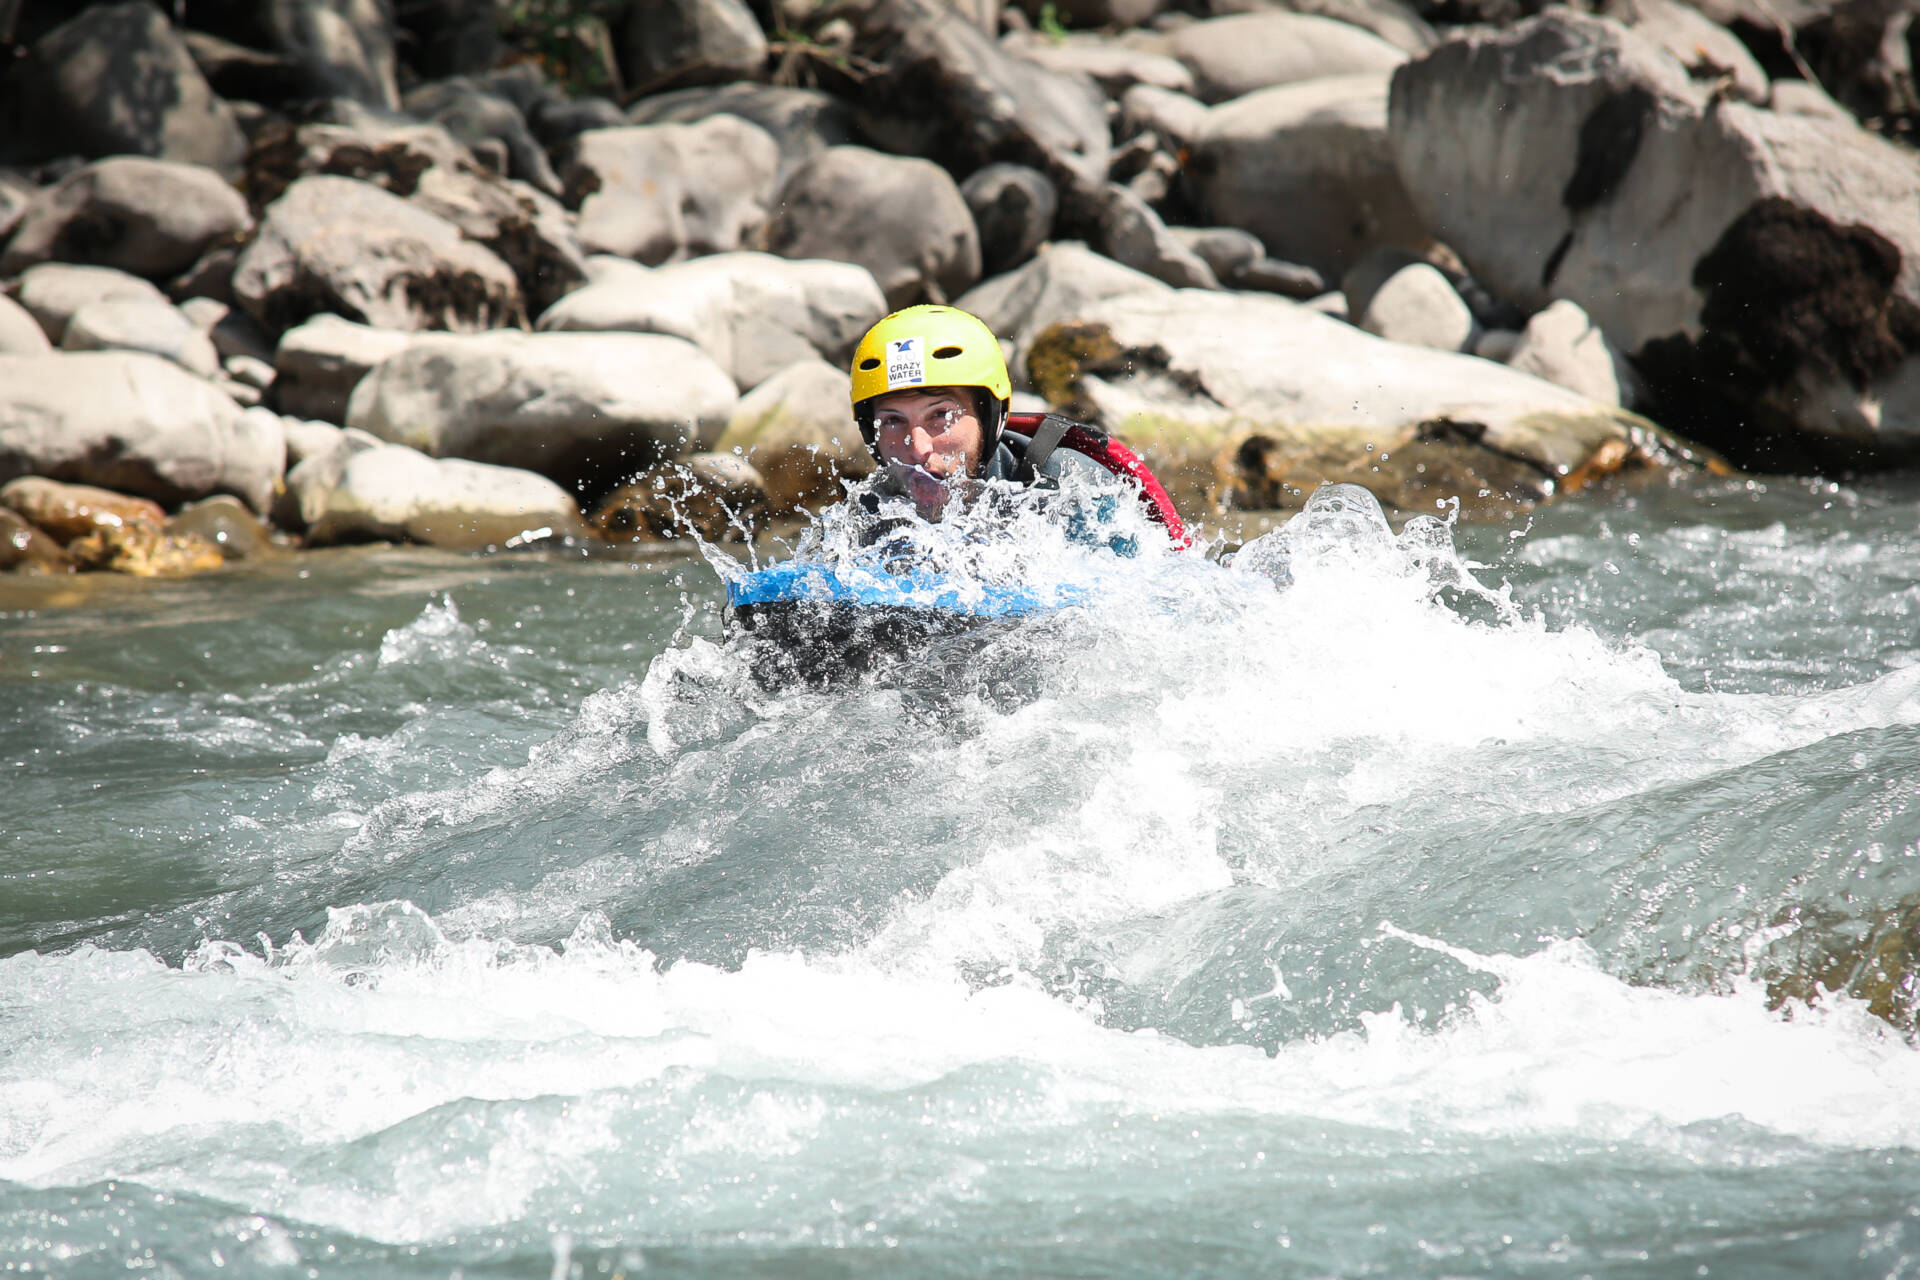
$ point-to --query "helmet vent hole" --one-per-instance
(871, 362)
(946, 353)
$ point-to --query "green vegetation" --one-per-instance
(1049, 22)
(568, 38)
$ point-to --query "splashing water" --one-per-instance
(1318, 910)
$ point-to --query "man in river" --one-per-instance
(932, 397)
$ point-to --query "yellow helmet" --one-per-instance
(928, 346)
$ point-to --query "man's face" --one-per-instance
(933, 428)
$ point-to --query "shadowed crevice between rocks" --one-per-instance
(1788, 290)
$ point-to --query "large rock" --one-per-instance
(1760, 269)
(1177, 118)
(1399, 24)
(20, 333)
(798, 432)
(1565, 347)
(1013, 208)
(1233, 56)
(523, 226)
(1308, 168)
(584, 409)
(157, 328)
(341, 48)
(135, 423)
(1710, 53)
(478, 117)
(1417, 305)
(1061, 281)
(25, 549)
(1194, 376)
(753, 313)
(69, 511)
(902, 219)
(53, 291)
(659, 193)
(365, 490)
(1132, 234)
(801, 122)
(666, 44)
(149, 217)
(116, 79)
(389, 153)
(333, 244)
(1110, 63)
(319, 363)
(940, 86)
(718, 497)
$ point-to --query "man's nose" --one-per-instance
(922, 441)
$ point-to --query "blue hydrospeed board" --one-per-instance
(801, 582)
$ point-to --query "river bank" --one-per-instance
(498, 291)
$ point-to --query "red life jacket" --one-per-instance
(1050, 431)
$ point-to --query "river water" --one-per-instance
(390, 913)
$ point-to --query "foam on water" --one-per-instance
(479, 1075)
(888, 945)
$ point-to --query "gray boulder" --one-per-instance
(584, 409)
(939, 85)
(1203, 380)
(116, 79)
(1013, 208)
(667, 44)
(1176, 117)
(388, 153)
(902, 219)
(1132, 234)
(797, 430)
(157, 328)
(365, 490)
(340, 48)
(1760, 269)
(1062, 280)
(1109, 62)
(319, 363)
(558, 121)
(1799, 98)
(1711, 54)
(20, 333)
(1417, 305)
(1563, 346)
(134, 423)
(476, 116)
(523, 226)
(232, 332)
(801, 122)
(753, 313)
(149, 217)
(1310, 169)
(659, 193)
(1399, 24)
(333, 244)
(53, 291)
(1233, 56)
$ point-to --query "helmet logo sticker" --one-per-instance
(906, 363)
